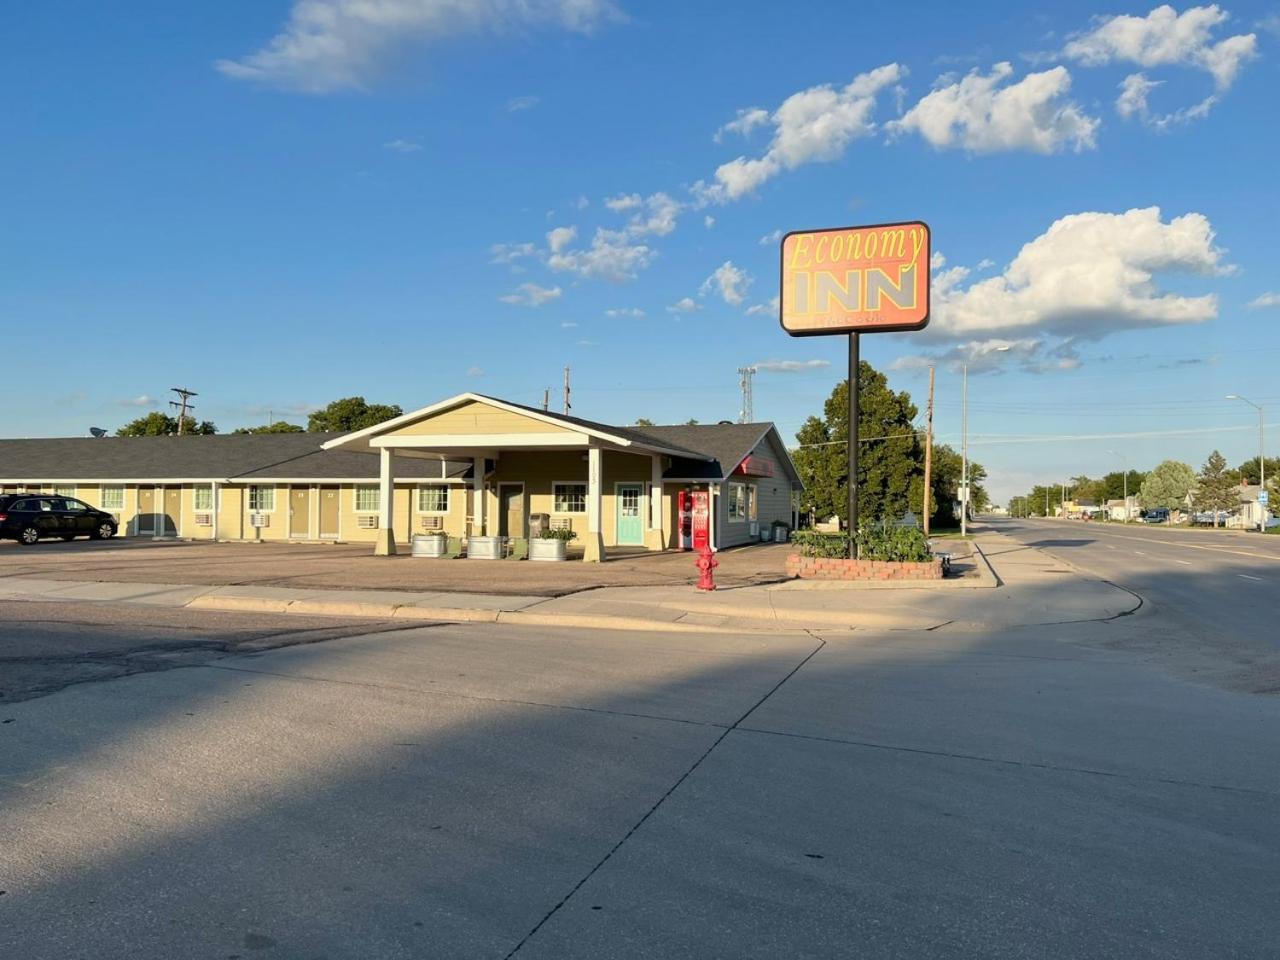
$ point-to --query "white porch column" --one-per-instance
(478, 504)
(654, 537)
(213, 532)
(593, 541)
(386, 542)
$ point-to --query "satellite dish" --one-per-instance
(97, 431)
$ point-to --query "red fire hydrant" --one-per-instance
(707, 562)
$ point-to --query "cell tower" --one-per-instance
(748, 413)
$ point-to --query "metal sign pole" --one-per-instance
(853, 446)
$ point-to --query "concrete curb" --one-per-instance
(390, 611)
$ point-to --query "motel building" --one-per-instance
(469, 465)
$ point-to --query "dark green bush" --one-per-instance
(876, 541)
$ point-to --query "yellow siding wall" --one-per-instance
(473, 417)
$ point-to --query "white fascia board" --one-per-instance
(485, 441)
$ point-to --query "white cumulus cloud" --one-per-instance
(790, 366)
(624, 312)
(1165, 37)
(511, 252)
(986, 114)
(402, 146)
(329, 45)
(731, 282)
(612, 255)
(747, 120)
(560, 237)
(1132, 102)
(1268, 299)
(516, 104)
(1088, 275)
(763, 309)
(532, 295)
(812, 126)
(684, 305)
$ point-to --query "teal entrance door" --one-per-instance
(630, 514)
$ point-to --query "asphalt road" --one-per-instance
(45, 647)
(1221, 589)
(490, 791)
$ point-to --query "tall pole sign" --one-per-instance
(855, 280)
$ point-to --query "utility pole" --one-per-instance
(546, 399)
(567, 405)
(928, 454)
(182, 406)
(1046, 503)
(747, 414)
(964, 454)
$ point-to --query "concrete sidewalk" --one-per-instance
(1030, 588)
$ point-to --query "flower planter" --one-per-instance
(835, 568)
(486, 548)
(540, 549)
(428, 546)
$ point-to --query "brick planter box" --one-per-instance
(821, 568)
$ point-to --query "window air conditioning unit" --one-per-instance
(432, 523)
(259, 520)
(561, 523)
(204, 520)
(367, 523)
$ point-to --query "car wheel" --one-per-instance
(28, 536)
(105, 531)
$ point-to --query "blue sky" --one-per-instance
(278, 203)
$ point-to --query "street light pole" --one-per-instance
(964, 454)
(1262, 456)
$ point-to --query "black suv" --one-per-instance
(27, 517)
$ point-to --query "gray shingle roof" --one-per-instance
(217, 457)
(726, 443)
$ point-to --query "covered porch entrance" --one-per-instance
(605, 483)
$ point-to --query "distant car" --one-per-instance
(31, 517)
(1158, 515)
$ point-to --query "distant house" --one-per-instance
(1251, 514)
(1121, 510)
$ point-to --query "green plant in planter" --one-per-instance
(563, 533)
(433, 533)
(876, 541)
(889, 541)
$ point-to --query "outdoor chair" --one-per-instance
(519, 549)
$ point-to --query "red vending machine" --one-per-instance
(702, 520)
(684, 520)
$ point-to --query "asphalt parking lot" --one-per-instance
(353, 566)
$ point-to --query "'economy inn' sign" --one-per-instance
(855, 279)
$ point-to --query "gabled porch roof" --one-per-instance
(472, 424)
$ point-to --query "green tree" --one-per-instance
(1113, 484)
(158, 424)
(1167, 486)
(350, 413)
(691, 422)
(280, 426)
(1216, 487)
(888, 460)
(643, 422)
(1249, 469)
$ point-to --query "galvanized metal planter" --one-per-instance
(426, 546)
(486, 548)
(540, 549)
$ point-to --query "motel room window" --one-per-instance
(742, 501)
(569, 498)
(204, 496)
(262, 499)
(433, 499)
(111, 497)
(65, 489)
(368, 498)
